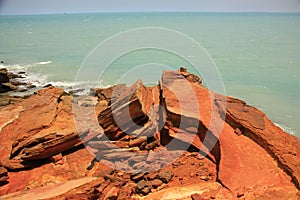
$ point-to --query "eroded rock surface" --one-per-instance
(176, 140)
(284, 148)
(131, 113)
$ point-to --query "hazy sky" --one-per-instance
(74, 6)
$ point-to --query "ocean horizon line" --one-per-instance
(156, 12)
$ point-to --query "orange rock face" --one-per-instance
(244, 165)
(177, 140)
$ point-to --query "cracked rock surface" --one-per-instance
(175, 140)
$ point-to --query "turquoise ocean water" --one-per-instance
(257, 54)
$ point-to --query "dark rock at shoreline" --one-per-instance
(4, 76)
(48, 85)
(9, 82)
(14, 76)
(4, 88)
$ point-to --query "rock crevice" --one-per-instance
(145, 142)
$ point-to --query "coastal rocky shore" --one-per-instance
(13, 81)
(175, 140)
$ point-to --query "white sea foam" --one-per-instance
(40, 80)
(16, 68)
(29, 77)
(83, 87)
(285, 128)
(44, 62)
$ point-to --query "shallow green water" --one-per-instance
(257, 54)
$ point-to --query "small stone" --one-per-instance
(200, 157)
(196, 197)
(152, 145)
(205, 169)
(120, 173)
(238, 131)
(199, 173)
(239, 195)
(175, 164)
(145, 191)
(194, 78)
(48, 85)
(192, 174)
(182, 162)
(205, 178)
(201, 164)
(56, 158)
(151, 176)
(180, 178)
(194, 154)
(141, 185)
(156, 183)
(137, 177)
(60, 162)
(182, 69)
(166, 176)
(137, 141)
(143, 145)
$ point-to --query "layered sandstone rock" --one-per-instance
(132, 113)
(243, 164)
(254, 124)
(177, 140)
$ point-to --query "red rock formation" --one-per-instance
(241, 153)
(284, 148)
(129, 114)
(243, 164)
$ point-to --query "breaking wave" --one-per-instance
(44, 62)
(40, 80)
(285, 128)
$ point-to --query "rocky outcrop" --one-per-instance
(242, 163)
(189, 111)
(176, 140)
(4, 76)
(132, 113)
(39, 127)
(255, 125)
(12, 82)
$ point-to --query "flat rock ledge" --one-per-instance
(175, 140)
